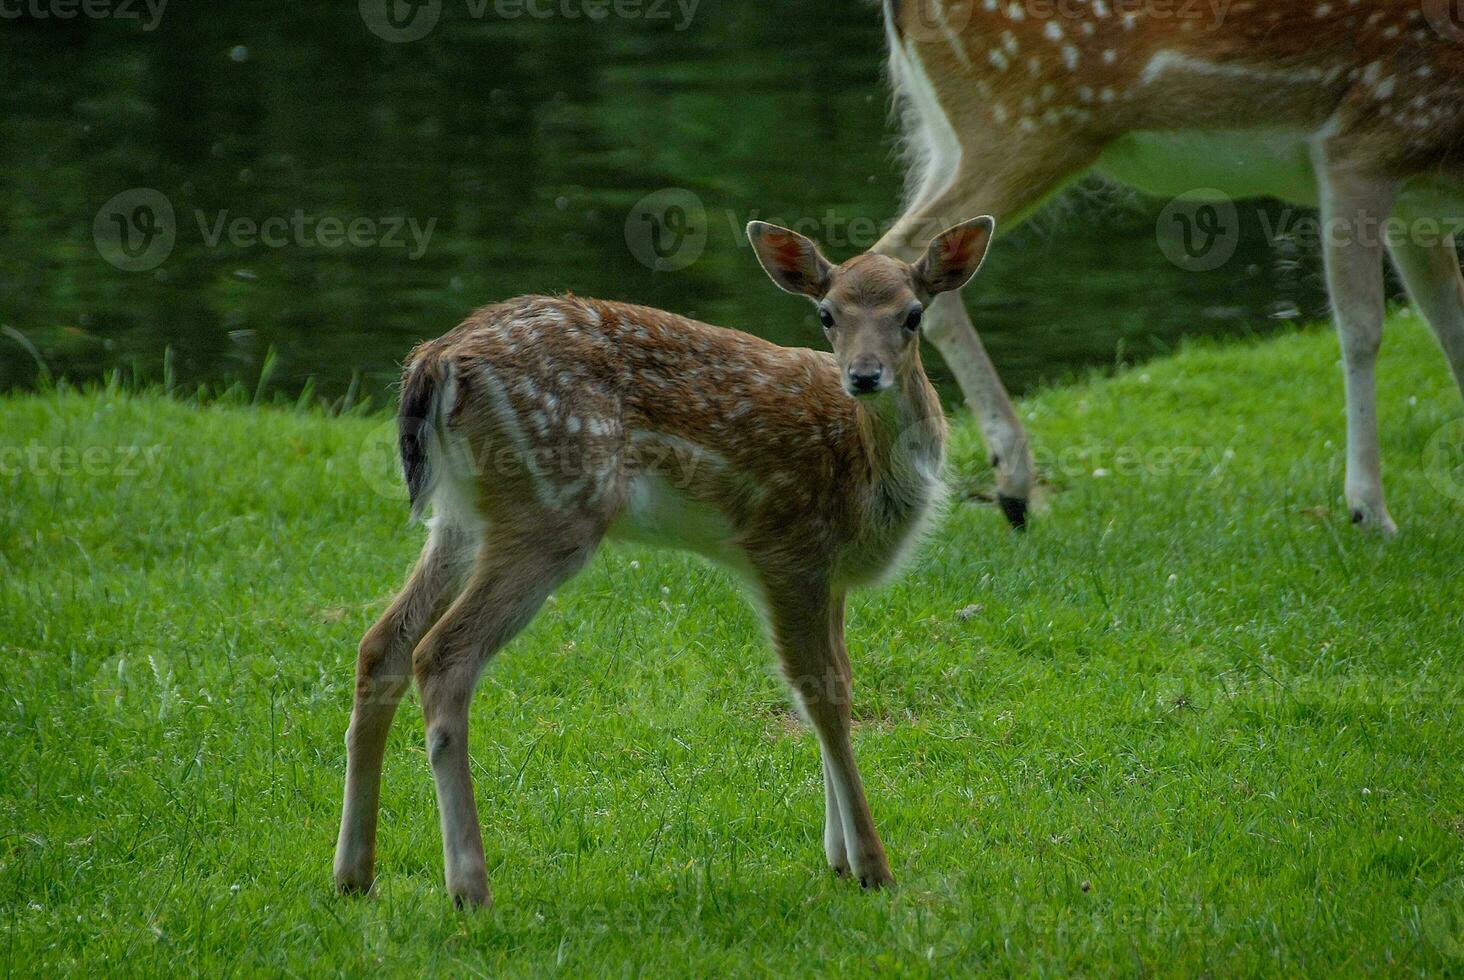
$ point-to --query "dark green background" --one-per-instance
(528, 141)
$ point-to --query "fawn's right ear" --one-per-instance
(955, 255)
(792, 261)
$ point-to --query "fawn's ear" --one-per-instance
(793, 262)
(954, 256)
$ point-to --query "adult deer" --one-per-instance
(1352, 105)
(540, 426)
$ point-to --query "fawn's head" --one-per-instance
(871, 306)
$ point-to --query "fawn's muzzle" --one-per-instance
(864, 377)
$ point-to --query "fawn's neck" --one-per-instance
(902, 433)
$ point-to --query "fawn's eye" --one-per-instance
(825, 317)
(912, 320)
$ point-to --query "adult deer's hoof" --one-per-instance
(1015, 510)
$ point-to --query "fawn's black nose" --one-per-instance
(864, 380)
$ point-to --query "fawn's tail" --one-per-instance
(428, 393)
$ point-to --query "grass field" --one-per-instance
(1193, 723)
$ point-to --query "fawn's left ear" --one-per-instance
(955, 255)
(793, 262)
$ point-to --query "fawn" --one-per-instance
(1351, 105)
(542, 425)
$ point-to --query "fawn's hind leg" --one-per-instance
(513, 577)
(383, 671)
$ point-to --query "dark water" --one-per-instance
(337, 196)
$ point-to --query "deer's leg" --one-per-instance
(1007, 183)
(513, 576)
(1354, 207)
(951, 331)
(1431, 272)
(808, 626)
(383, 671)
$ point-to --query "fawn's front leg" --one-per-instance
(808, 625)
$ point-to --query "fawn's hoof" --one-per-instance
(873, 881)
(1015, 509)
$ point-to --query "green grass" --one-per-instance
(1193, 723)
